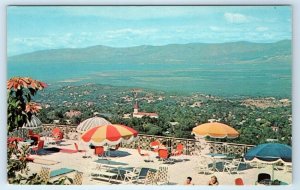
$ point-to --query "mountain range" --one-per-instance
(193, 53)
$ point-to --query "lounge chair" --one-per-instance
(239, 181)
(36, 138)
(55, 131)
(178, 151)
(40, 146)
(164, 155)
(99, 151)
(60, 172)
(58, 137)
(155, 145)
(102, 173)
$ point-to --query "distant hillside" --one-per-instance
(235, 52)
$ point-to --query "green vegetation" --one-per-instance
(20, 109)
(257, 119)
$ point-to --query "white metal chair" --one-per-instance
(204, 166)
(232, 166)
(132, 176)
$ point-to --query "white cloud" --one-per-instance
(131, 31)
(236, 18)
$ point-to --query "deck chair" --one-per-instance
(143, 154)
(77, 178)
(178, 151)
(44, 174)
(36, 138)
(239, 181)
(162, 175)
(164, 155)
(77, 149)
(204, 166)
(39, 146)
(232, 166)
(57, 137)
(263, 178)
(155, 145)
(132, 176)
(99, 151)
(55, 130)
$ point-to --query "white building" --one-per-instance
(138, 114)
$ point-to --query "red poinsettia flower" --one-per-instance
(33, 107)
(17, 83)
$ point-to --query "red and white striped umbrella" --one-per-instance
(111, 134)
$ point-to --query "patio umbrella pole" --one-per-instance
(273, 172)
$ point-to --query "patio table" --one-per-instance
(215, 157)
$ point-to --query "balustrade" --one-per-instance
(191, 146)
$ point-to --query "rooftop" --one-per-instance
(130, 158)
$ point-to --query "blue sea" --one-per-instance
(227, 79)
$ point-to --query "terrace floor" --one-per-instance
(178, 171)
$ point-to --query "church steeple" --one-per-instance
(136, 107)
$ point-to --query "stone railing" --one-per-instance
(191, 146)
(68, 130)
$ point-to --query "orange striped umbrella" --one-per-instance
(111, 134)
(215, 130)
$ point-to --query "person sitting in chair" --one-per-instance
(163, 146)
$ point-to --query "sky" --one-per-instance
(33, 28)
